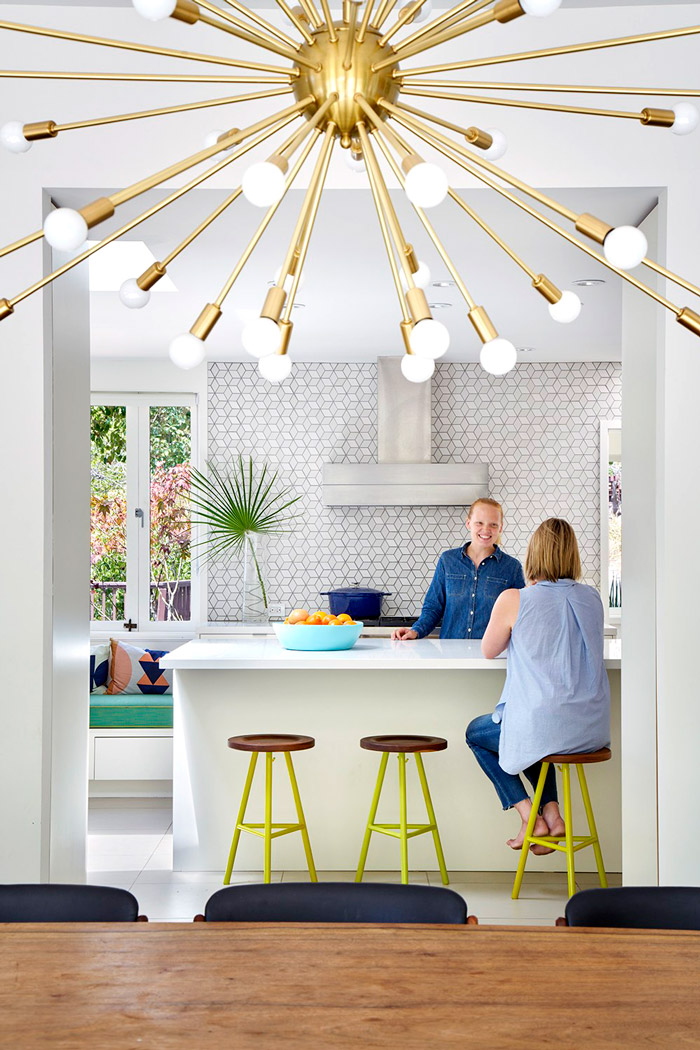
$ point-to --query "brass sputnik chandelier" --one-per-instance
(349, 85)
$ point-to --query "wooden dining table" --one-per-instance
(202, 986)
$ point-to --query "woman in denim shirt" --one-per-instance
(468, 580)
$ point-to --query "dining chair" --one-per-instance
(636, 907)
(63, 902)
(336, 902)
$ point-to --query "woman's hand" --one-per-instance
(403, 634)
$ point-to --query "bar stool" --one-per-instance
(269, 743)
(572, 843)
(402, 746)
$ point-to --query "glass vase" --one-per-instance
(254, 587)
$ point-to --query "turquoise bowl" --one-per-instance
(316, 639)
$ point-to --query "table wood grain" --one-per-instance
(238, 986)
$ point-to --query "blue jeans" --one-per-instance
(483, 735)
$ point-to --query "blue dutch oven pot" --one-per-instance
(362, 603)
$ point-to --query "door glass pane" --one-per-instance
(170, 449)
(615, 533)
(107, 512)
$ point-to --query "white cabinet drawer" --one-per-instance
(133, 758)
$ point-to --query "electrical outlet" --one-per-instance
(276, 610)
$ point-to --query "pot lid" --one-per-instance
(357, 590)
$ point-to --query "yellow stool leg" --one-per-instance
(528, 831)
(240, 818)
(402, 817)
(570, 865)
(300, 816)
(268, 816)
(431, 818)
(372, 814)
(592, 830)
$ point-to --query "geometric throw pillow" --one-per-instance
(136, 670)
(99, 668)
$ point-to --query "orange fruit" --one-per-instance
(316, 620)
(298, 615)
(344, 618)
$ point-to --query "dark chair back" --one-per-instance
(637, 907)
(335, 902)
(62, 902)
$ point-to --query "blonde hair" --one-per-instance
(552, 553)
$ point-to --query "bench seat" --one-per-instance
(124, 711)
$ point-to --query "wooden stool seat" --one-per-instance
(582, 758)
(403, 744)
(271, 742)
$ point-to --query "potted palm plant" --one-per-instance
(240, 508)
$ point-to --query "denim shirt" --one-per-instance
(462, 595)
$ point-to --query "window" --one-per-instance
(141, 450)
(611, 518)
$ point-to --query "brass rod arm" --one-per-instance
(524, 206)
(399, 145)
(573, 89)
(429, 229)
(311, 13)
(364, 140)
(493, 235)
(547, 52)
(482, 19)
(466, 7)
(151, 181)
(400, 242)
(405, 15)
(403, 115)
(350, 40)
(125, 45)
(165, 110)
(288, 148)
(127, 227)
(296, 22)
(670, 276)
(22, 243)
(383, 13)
(250, 13)
(235, 273)
(304, 212)
(212, 217)
(454, 96)
(332, 34)
(185, 78)
(258, 40)
(303, 245)
(362, 31)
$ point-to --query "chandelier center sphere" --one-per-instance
(333, 78)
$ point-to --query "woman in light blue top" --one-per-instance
(556, 699)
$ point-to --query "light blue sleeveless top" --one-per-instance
(557, 696)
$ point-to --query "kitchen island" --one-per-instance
(225, 687)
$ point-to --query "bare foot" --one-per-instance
(539, 829)
(555, 826)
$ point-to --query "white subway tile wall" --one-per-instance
(537, 428)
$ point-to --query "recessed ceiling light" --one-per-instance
(439, 306)
(525, 349)
(590, 282)
(443, 284)
(298, 306)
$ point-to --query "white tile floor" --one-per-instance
(130, 845)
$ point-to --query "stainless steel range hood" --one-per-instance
(404, 475)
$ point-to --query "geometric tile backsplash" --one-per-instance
(537, 428)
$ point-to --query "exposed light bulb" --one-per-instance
(154, 10)
(65, 229)
(421, 278)
(625, 247)
(566, 309)
(212, 138)
(417, 369)
(261, 337)
(498, 147)
(133, 296)
(426, 185)
(263, 184)
(498, 356)
(356, 164)
(275, 367)
(539, 8)
(429, 339)
(187, 351)
(687, 118)
(12, 137)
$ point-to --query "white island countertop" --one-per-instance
(265, 653)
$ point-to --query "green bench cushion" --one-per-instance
(124, 711)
